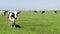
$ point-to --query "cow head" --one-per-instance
(14, 14)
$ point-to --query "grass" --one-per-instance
(32, 23)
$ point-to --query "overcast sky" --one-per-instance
(30, 4)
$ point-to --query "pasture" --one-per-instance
(32, 23)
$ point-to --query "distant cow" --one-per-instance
(43, 12)
(55, 11)
(3, 12)
(35, 11)
(12, 16)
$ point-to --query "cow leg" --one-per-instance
(9, 22)
(13, 24)
(10, 25)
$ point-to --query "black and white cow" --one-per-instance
(55, 11)
(35, 11)
(12, 15)
(3, 12)
(43, 12)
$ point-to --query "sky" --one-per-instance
(30, 4)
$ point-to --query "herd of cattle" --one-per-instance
(44, 11)
(12, 15)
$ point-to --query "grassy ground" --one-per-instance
(32, 23)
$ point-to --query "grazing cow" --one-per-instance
(43, 12)
(12, 15)
(3, 12)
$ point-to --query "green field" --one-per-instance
(32, 23)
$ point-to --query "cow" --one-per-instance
(12, 16)
(3, 12)
(43, 12)
(55, 11)
(35, 11)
